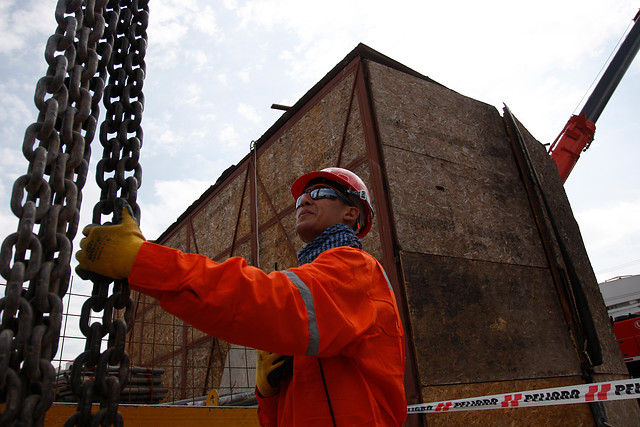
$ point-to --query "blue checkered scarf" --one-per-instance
(333, 237)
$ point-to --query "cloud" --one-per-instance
(12, 163)
(229, 136)
(191, 94)
(249, 112)
(166, 34)
(200, 59)
(21, 22)
(490, 52)
(8, 223)
(223, 79)
(607, 229)
(165, 139)
(13, 108)
(171, 199)
(207, 117)
(170, 141)
(245, 75)
(172, 20)
(205, 21)
(231, 4)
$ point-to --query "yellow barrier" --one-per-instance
(159, 416)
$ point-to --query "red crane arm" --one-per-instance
(579, 130)
(573, 140)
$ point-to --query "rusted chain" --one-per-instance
(93, 39)
(119, 175)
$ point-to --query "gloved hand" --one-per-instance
(110, 250)
(271, 369)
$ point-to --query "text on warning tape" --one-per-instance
(581, 393)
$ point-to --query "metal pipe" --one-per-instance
(229, 399)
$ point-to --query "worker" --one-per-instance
(334, 316)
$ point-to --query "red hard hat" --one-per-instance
(344, 178)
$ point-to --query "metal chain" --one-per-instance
(118, 174)
(91, 38)
(46, 200)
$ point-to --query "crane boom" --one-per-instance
(577, 134)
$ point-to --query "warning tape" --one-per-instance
(582, 393)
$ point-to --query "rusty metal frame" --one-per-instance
(348, 116)
(386, 227)
(253, 195)
(235, 231)
(276, 217)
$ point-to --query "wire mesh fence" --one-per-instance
(194, 363)
(171, 362)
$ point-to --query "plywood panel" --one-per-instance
(479, 321)
(447, 209)
(426, 118)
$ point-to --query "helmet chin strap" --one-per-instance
(357, 225)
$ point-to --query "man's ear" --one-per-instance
(351, 214)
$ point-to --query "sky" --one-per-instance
(215, 67)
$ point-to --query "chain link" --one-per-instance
(93, 38)
(118, 174)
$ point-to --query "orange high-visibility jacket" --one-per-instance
(339, 309)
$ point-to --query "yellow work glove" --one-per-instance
(271, 369)
(110, 250)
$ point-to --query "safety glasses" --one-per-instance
(322, 193)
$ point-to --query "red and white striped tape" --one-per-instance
(581, 393)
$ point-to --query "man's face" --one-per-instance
(314, 216)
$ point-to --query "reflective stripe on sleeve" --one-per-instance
(386, 278)
(305, 293)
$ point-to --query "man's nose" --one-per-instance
(305, 199)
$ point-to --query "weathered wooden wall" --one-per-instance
(483, 306)
(454, 230)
